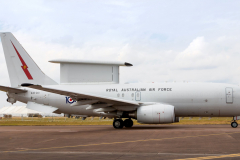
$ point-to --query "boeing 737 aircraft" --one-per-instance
(91, 88)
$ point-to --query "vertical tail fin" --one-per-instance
(21, 67)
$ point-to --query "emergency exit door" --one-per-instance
(138, 96)
(45, 99)
(229, 95)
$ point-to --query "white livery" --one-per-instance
(91, 88)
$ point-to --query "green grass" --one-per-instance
(47, 121)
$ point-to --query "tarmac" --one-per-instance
(105, 142)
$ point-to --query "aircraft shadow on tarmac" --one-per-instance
(106, 128)
(153, 127)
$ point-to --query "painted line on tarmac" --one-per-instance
(46, 141)
(118, 153)
(213, 157)
(123, 142)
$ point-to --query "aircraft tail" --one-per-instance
(21, 67)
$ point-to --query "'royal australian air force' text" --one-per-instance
(137, 89)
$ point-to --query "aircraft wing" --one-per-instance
(41, 107)
(78, 96)
(12, 90)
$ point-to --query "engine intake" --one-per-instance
(11, 100)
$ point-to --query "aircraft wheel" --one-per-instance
(234, 124)
(128, 123)
(118, 123)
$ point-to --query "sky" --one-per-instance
(195, 41)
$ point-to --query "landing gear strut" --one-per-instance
(119, 123)
(234, 124)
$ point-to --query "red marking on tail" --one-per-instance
(24, 65)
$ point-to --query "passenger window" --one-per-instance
(132, 94)
(123, 95)
(118, 95)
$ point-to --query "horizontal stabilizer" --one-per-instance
(40, 107)
(12, 90)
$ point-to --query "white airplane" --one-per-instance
(91, 88)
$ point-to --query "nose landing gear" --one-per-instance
(234, 124)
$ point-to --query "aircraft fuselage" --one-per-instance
(188, 99)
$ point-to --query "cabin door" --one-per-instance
(46, 99)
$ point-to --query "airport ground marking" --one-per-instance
(110, 143)
(46, 141)
(212, 157)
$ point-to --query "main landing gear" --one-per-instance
(119, 123)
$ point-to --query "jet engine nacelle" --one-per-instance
(11, 100)
(156, 114)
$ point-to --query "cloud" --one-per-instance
(197, 56)
(164, 40)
